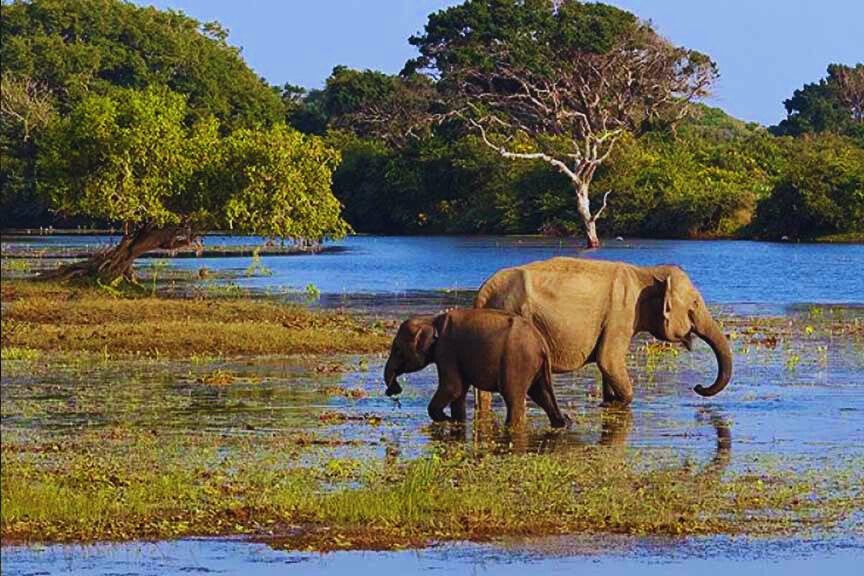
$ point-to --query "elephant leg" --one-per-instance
(458, 412)
(439, 401)
(611, 359)
(609, 396)
(482, 402)
(515, 407)
(449, 390)
(619, 382)
(542, 394)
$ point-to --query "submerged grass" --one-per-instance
(208, 453)
(156, 487)
(50, 317)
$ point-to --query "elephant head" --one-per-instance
(412, 349)
(684, 314)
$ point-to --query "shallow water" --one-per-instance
(606, 557)
(800, 400)
(727, 272)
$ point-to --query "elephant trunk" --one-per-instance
(390, 374)
(708, 330)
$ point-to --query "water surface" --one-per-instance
(727, 272)
(800, 400)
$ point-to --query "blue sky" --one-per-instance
(765, 48)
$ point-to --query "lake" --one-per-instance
(727, 272)
(802, 400)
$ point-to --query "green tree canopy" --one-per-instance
(834, 104)
(142, 159)
(557, 80)
(60, 51)
(820, 192)
(77, 47)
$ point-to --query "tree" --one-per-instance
(77, 47)
(834, 104)
(821, 190)
(26, 109)
(139, 159)
(689, 186)
(369, 103)
(557, 81)
(61, 51)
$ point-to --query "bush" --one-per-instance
(821, 191)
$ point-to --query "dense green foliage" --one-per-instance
(558, 81)
(77, 47)
(467, 35)
(821, 192)
(127, 157)
(64, 50)
(132, 157)
(124, 114)
(708, 178)
(835, 104)
(450, 182)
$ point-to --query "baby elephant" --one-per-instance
(489, 349)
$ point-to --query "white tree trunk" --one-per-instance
(583, 205)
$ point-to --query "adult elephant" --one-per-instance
(589, 310)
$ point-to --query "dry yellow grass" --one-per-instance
(57, 318)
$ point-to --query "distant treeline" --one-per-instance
(708, 175)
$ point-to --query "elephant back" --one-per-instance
(567, 299)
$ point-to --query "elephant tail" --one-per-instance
(482, 296)
(547, 362)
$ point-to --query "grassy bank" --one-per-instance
(49, 317)
(120, 485)
(124, 418)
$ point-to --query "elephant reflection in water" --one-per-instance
(487, 434)
(616, 424)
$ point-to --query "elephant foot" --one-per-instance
(563, 422)
(614, 403)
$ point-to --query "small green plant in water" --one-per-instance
(156, 267)
(792, 361)
(22, 354)
(312, 292)
(112, 288)
(17, 265)
(256, 266)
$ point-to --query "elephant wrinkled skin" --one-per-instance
(488, 349)
(589, 310)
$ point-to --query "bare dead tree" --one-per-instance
(850, 88)
(571, 111)
(25, 102)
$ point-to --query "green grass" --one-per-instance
(154, 486)
(13, 353)
(50, 317)
(844, 238)
(100, 446)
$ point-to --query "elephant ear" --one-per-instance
(672, 300)
(675, 300)
(429, 333)
(424, 339)
(667, 299)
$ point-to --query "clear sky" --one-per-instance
(765, 48)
